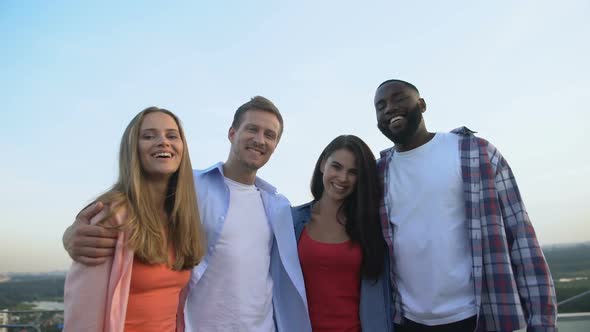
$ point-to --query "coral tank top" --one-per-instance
(153, 297)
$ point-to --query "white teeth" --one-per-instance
(396, 118)
(163, 154)
(254, 150)
(337, 186)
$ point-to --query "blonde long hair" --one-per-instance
(143, 225)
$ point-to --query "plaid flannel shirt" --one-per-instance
(513, 285)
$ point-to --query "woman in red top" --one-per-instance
(153, 206)
(340, 240)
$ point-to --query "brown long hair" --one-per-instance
(143, 225)
(361, 207)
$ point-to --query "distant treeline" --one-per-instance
(570, 262)
(564, 262)
(16, 291)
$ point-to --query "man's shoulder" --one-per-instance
(271, 193)
(280, 198)
(202, 172)
(209, 181)
(472, 145)
(264, 185)
(466, 133)
(463, 131)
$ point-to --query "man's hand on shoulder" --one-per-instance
(89, 244)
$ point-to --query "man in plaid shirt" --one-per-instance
(464, 255)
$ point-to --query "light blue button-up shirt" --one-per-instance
(289, 300)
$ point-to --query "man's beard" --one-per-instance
(413, 119)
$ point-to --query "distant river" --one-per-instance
(47, 305)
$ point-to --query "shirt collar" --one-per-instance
(260, 183)
(463, 131)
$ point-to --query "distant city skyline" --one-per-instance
(75, 73)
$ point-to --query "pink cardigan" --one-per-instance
(95, 297)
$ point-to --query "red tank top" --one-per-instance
(153, 297)
(332, 282)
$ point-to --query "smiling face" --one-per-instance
(160, 145)
(339, 175)
(254, 141)
(399, 111)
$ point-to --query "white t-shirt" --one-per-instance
(432, 251)
(235, 293)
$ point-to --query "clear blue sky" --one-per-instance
(73, 73)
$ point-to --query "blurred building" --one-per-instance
(3, 320)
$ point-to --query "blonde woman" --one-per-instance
(153, 207)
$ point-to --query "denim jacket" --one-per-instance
(375, 306)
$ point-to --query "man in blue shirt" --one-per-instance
(250, 279)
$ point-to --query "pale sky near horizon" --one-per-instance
(73, 74)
